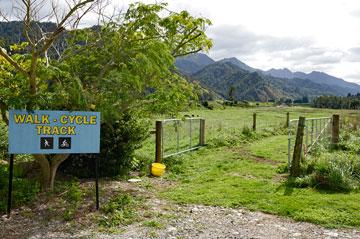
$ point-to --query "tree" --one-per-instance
(126, 64)
(232, 93)
(22, 73)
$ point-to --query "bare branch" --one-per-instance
(27, 21)
(60, 28)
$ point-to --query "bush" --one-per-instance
(118, 143)
(24, 190)
(3, 141)
(334, 172)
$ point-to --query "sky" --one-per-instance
(301, 35)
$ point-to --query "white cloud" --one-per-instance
(301, 35)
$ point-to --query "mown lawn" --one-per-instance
(245, 176)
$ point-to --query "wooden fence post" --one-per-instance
(287, 119)
(158, 141)
(202, 132)
(335, 129)
(254, 122)
(295, 165)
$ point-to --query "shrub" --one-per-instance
(334, 172)
(118, 143)
(24, 190)
(3, 141)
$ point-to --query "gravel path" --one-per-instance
(215, 222)
(199, 222)
(171, 221)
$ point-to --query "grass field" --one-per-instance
(242, 172)
(224, 126)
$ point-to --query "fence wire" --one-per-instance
(179, 136)
(238, 122)
(316, 130)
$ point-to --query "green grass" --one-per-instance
(231, 177)
(274, 148)
(221, 123)
(237, 171)
(241, 171)
(153, 224)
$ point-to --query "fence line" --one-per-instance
(175, 136)
(315, 130)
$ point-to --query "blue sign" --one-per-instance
(53, 132)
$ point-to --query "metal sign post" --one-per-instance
(11, 173)
(53, 132)
(97, 182)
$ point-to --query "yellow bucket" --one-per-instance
(157, 169)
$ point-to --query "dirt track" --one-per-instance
(173, 221)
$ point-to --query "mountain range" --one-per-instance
(219, 77)
(248, 83)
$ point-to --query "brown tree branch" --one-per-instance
(3, 109)
(12, 62)
(60, 28)
(27, 21)
(182, 43)
(187, 53)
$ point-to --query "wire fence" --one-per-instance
(316, 130)
(227, 125)
(180, 136)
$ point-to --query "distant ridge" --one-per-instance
(254, 84)
(315, 76)
(192, 63)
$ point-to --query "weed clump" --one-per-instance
(120, 210)
(338, 172)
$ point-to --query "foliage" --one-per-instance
(127, 64)
(73, 198)
(3, 141)
(24, 190)
(118, 143)
(334, 170)
(153, 224)
(338, 102)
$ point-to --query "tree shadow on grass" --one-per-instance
(289, 185)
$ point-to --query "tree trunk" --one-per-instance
(55, 162)
(49, 168)
(45, 170)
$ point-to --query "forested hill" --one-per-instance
(193, 63)
(12, 32)
(220, 77)
(248, 83)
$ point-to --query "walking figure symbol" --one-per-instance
(46, 144)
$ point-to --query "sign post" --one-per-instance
(97, 182)
(53, 132)
(11, 173)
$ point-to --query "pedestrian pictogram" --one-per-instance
(46, 143)
(64, 143)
